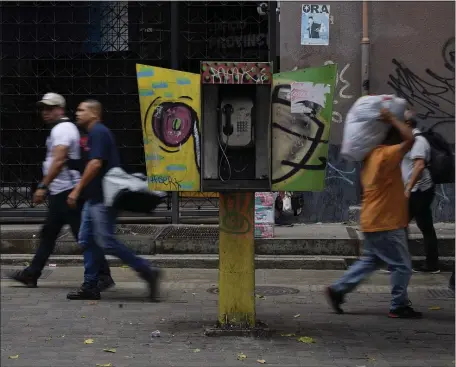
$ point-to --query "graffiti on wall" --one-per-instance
(236, 213)
(235, 73)
(300, 141)
(342, 92)
(431, 95)
(170, 110)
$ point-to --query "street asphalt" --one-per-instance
(40, 327)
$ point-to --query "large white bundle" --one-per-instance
(363, 129)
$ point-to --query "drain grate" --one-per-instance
(206, 233)
(266, 291)
(440, 293)
(4, 273)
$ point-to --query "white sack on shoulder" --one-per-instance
(363, 129)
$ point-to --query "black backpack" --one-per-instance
(441, 164)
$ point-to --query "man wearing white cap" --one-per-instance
(62, 147)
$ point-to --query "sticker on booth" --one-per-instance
(170, 116)
(315, 24)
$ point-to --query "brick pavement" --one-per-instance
(45, 329)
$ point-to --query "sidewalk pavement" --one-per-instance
(326, 245)
(41, 328)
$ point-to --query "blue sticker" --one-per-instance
(176, 167)
(145, 73)
(160, 85)
(168, 95)
(183, 81)
(146, 92)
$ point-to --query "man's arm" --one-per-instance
(59, 156)
(418, 167)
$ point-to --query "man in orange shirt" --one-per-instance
(384, 219)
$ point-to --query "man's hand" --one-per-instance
(72, 199)
(407, 192)
(39, 196)
(386, 115)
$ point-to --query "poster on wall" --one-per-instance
(315, 24)
(303, 94)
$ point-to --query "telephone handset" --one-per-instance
(236, 122)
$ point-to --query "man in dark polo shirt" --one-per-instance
(101, 220)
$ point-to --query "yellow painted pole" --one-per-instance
(237, 259)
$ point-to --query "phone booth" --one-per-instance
(236, 129)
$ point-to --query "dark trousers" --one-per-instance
(420, 209)
(59, 214)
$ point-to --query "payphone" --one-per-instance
(236, 126)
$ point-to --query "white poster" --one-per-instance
(315, 24)
(304, 96)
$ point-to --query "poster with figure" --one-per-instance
(170, 115)
(315, 24)
(300, 140)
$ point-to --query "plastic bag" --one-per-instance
(363, 130)
(287, 204)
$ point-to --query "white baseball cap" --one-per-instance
(52, 99)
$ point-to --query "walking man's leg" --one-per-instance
(355, 274)
(93, 259)
(53, 224)
(84, 234)
(422, 202)
(103, 220)
(392, 248)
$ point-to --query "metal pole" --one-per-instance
(272, 34)
(365, 44)
(175, 66)
(236, 260)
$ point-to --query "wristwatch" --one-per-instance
(42, 186)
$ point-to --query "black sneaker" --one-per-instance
(427, 269)
(105, 282)
(405, 313)
(335, 299)
(85, 293)
(24, 277)
(152, 277)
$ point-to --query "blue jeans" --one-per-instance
(98, 235)
(86, 235)
(390, 247)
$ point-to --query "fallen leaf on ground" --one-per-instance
(110, 350)
(93, 302)
(306, 339)
(104, 364)
(434, 308)
(241, 356)
(88, 341)
(297, 315)
(287, 334)
(196, 350)
(83, 317)
(14, 357)
(260, 296)
(262, 361)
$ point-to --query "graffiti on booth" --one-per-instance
(235, 73)
(236, 213)
(342, 91)
(300, 141)
(431, 95)
(170, 110)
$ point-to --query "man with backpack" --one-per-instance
(63, 145)
(420, 191)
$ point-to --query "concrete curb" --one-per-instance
(211, 261)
